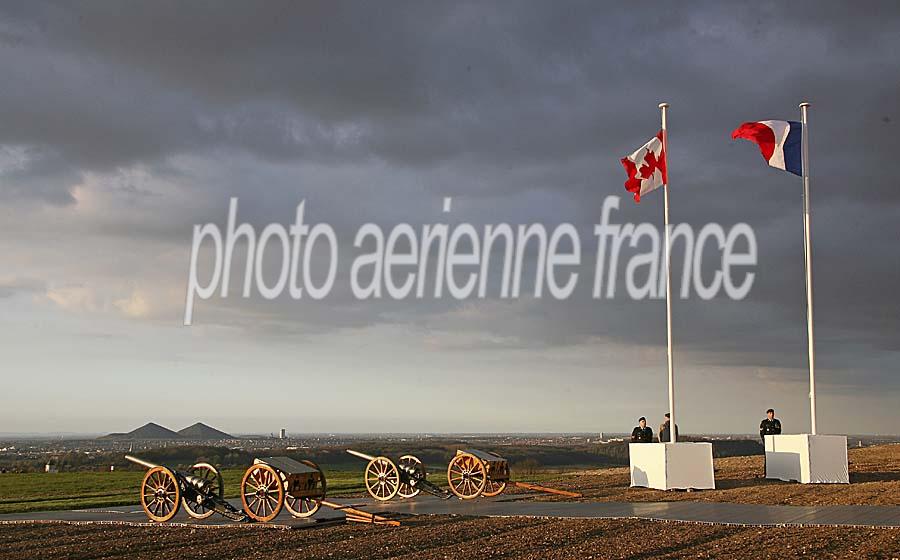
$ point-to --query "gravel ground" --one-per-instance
(451, 537)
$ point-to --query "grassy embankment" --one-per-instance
(79, 490)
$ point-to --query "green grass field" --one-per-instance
(83, 490)
(79, 490)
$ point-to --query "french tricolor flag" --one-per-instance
(781, 142)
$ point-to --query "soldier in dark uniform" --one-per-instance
(642, 433)
(770, 426)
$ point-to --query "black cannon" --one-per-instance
(200, 490)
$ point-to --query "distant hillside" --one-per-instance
(149, 430)
(201, 431)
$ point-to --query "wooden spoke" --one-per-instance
(493, 488)
(196, 504)
(467, 476)
(262, 492)
(382, 478)
(160, 494)
(306, 507)
(413, 462)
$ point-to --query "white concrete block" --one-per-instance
(667, 466)
(807, 458)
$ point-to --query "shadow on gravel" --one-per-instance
(732, 483)
(874, 477)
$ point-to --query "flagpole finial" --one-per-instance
(663, 105)
(805, 104)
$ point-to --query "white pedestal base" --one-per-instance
(807, 458)
(667, 466)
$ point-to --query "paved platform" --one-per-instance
(519, 506)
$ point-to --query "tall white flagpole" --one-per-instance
(807, 251)
(672, 436)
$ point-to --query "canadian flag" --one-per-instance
(646, 168)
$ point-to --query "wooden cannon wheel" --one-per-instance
(493, 488)
(160, 494)
(213, 480)
(304, 507)
(405, 490)
(382, 478)
(262, 492)
(467, 476)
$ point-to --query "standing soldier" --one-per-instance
(770, 426)
(665, 435)
(642, 433)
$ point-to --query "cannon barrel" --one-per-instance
(141, 462)
(190, 479)
(361, 455)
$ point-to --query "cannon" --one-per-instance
(275, 482)
(405, 478)
(200, 490)
(473, 473)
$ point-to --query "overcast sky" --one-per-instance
(124, 124)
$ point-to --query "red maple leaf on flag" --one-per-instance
(649, 163)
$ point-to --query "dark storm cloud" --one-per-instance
(43, 175)
(527, 107)
(421, 83)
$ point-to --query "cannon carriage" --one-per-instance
(200, 490)
(273, 483)
(406, 477)
(472, 473)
